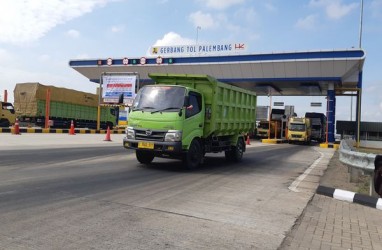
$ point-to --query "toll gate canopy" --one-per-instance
(305, 73)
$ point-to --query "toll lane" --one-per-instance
(101, 198)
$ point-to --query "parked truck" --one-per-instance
(299, 130)
(7, 114)
(318, 122)
(186, 116)
(66, 105)
(263, 129)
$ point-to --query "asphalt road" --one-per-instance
(82, 197)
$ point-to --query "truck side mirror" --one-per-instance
(113, 111)
(120, 99)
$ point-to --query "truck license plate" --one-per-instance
(143, 144)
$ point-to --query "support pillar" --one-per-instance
(358, 109)
(331, 112)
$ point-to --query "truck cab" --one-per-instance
(299, 130)
(162, 117)
(7, 114)
(263, 129)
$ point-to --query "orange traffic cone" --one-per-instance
(248, 141)
(71, 130)
(107, 138)
(16, 130)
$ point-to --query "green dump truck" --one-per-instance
(7, 114)
(66, 105)
(186, 116)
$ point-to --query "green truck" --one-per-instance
(66, 105)
(185, 116)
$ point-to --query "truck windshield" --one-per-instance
(160, 98)
(8, 106)
(296, 127)
(264, 125)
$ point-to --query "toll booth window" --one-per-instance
(195, 104)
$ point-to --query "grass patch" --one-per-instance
(363, 184)
(377, 151)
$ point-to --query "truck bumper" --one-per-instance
(156, 146)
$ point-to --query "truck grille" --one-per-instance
(296, 136)
(149, 135)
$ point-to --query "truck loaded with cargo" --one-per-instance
(185, 116)
(263, 129)
(299, 130)
(7, 114)
(66, 105)
(318, 123)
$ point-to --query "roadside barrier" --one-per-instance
(357, 161)
(60, 131)
(72, 131)
(107, 138)
(248, 141)
(16, 129)
(363, 161)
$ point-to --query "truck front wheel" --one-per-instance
(236, 152)
(144, 157)
(193, 158)
(4, 123)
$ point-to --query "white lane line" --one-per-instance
(295, 183)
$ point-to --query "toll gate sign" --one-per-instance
(115, 85)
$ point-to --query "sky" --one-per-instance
(38, 38)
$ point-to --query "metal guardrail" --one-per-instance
(363, 161)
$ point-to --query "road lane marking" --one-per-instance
(295, 183)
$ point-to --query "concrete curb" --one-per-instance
(60, 131)
(348, 196)
(273, 141)
(330, 145)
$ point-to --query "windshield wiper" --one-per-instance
(160, 110)
(143, 108)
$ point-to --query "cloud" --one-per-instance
(169, 39)
(44, 58)
(204, 20)
(73, 33)
(173, 38)
(25, 21)
(5, 56)
(116, 29)
(82, 56)
(334, 9)
(221, 4)
(306, 23)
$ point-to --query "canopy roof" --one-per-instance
(304, 73)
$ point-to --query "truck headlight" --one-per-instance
(173, 135)
(130, 133)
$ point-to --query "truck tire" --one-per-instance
(235, 154)
(193, 157)
(144, 157)
(4, 123)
